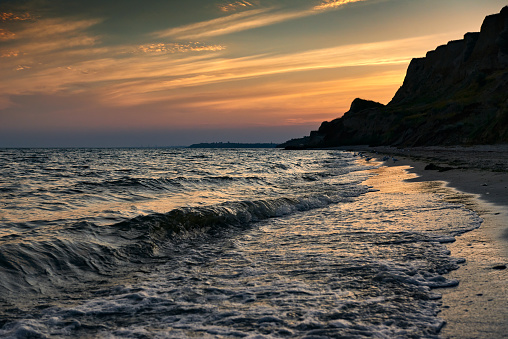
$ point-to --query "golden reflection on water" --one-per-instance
(398, 179)
(31, 209)
(321, 237)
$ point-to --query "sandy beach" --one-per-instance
(477, 177)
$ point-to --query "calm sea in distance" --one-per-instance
(217, 243)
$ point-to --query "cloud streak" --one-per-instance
(237, 5)
(135, 79)
(47, 36)
(61, 58)
(205, 28)
(162, 48)
(60, 55)
(165, 67)
(9, 16)
(217, 70)
(6, 35)
(249, 19)
(333, 4)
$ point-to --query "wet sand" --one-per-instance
(478, 307)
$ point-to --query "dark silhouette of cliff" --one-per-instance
(455, 95)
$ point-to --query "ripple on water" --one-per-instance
(364, 265)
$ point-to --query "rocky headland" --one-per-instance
(455, 95)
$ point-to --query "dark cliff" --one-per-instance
(456, 94)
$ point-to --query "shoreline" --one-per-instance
(478, 306)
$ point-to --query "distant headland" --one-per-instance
(233, 145)
(455, 95)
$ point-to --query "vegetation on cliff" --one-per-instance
(455, 95)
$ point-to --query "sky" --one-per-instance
(131, 73)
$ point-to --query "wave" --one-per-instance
(165, 183)
(187, 219)
(48, 257)
(149, 183)
(46, 264)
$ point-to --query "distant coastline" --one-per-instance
(232, 145)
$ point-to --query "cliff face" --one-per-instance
(456, 94)
(458, 63)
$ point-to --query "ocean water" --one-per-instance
(172, 243)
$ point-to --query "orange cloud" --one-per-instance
(281, 101)
(162, 48)
(8, 54)
(46, 42)
(153, 81)
(233, 23)
(212, 27)
(8, 16)
(135, 79)
(6, 35)
(237, 5)
(303, 95)
(22, 67)
(249, 19)
(60, 57)
(49, 29)
(330, 4)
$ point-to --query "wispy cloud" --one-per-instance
(249, 19)
(237, 5)
(135, 79)
(307, 101)
(6, 35)
(153, 80)
(213, 27)
(9, 54)
(54, 55)
(233, 23)
(9, 16)
(333, 4)
(56, 28)
(162, 48)
(60, 42)
(22, 67)
(63, 58)
(48, 36)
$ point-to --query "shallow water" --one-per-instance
(217, 243)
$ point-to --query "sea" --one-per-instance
(219, 243)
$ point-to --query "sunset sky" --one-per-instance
(167, 72)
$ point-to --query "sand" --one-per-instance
(478, 307)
